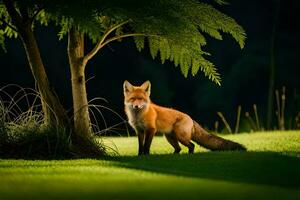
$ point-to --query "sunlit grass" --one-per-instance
(269, 170)
(276, 141)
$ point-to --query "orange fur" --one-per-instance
(148, 118)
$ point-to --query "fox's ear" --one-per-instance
(127, 87)
(146, 86)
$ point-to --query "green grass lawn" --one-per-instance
(269, 170)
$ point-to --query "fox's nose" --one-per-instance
(135, 106)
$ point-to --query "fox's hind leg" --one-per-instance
(174, 142)
(191, 147)
(188, 144)
(183, 132)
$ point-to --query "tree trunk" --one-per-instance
(54, 113)
(272, 67)
(77, 67)
(82, 140)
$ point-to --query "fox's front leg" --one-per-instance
(141, 139)
(148, 140)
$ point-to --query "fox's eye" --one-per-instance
(135, 99)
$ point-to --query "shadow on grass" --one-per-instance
(245, 167)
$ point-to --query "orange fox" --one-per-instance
(147, 118)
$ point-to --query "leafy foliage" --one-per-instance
(6, 29)
(172, 29)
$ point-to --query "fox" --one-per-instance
(148, 119)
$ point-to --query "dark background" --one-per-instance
(244, 72)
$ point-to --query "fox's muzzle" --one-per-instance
(138, 107)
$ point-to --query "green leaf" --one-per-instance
(2, 41)
(139, 42)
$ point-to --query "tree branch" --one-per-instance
(15, 16)
(89, 55)
(112, 29)
(35, 14)
(124, 36)
(99, 45)
(24, 13)
(8, 24)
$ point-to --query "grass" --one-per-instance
(269, 170)
(24, 133)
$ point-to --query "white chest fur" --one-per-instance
(135, 120)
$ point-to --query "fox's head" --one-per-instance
(137, 97)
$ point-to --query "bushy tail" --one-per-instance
(213, 142)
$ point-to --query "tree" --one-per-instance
(172, 29)
(16, 20)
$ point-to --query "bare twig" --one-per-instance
(278, 113)
(225, 122)
(256, 117)
(282, 127)
(238, 117)
(216, 126)
(251, 121)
